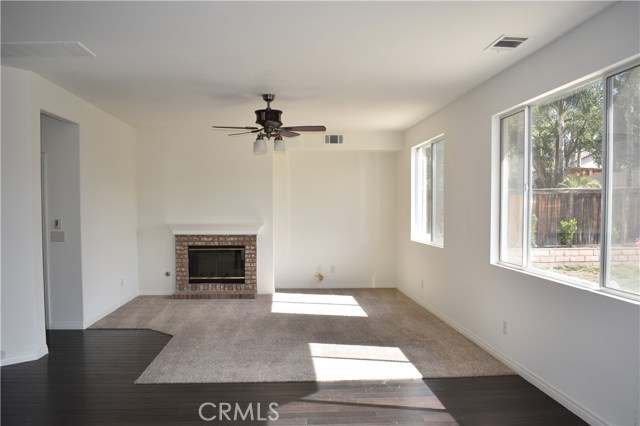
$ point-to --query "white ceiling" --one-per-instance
(347, 65)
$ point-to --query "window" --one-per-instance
(570, 184)
(427, 195)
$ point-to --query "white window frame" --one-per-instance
(419, 209)
(499, 208)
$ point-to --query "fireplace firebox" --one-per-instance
(216, 264)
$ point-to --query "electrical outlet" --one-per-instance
(121, 282)
(504, 327)
(421, 283)
(333, 269)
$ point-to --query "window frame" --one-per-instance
(419, 204)
(606, 204)
(607, 182)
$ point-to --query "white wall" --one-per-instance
(334, 209)
(199, 176)
(23, 332)
(581, 347)
(108, 209)
(60, 145)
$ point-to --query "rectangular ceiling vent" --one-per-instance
(506, 43)
(333, 139)
(51, 49)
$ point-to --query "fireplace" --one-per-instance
(214, 266)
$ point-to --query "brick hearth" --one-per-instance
(184, 290)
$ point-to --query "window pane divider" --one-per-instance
(607, 185)
(432, 147)
(528, 196)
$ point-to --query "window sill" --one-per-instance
(574, 283)
(425, 241)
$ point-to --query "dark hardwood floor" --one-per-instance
(88, 379)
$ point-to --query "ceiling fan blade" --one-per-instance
(306, 128)
(244, 133)
(234, 127)
(288, 133)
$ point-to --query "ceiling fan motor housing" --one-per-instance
(269, 117)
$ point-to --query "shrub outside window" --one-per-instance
(427, 192)
(570, 184)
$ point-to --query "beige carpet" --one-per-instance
(328, 335)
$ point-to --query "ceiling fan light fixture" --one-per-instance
(260, 146)
(278, 144)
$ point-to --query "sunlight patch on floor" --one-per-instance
(332, 299)
(316, 304)
(358, 362)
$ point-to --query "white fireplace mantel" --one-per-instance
(215, 229)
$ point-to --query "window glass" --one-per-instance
(566, 177)
(438, 193)
(512, 214)
(426, 176)
(623, 262)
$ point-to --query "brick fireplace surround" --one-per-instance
(185, 290)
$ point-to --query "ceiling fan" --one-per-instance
(271, 126)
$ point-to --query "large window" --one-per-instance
(427, 199)
(570, 184)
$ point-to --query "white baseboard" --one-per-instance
(559, 396)
(25, 358)
(89, 322)
(156, 293)
(329, 285)
(66, 325)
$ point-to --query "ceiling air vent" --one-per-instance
(333, 139)
(52, 49)
(506, 43)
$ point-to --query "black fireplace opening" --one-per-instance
(216, 264)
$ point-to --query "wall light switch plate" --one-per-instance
(57, 236)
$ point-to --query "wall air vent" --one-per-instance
(51, 49)
(506, 43)
(333, 139)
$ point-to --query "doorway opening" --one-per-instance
(61, 242)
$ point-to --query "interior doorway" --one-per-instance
(61, 239)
